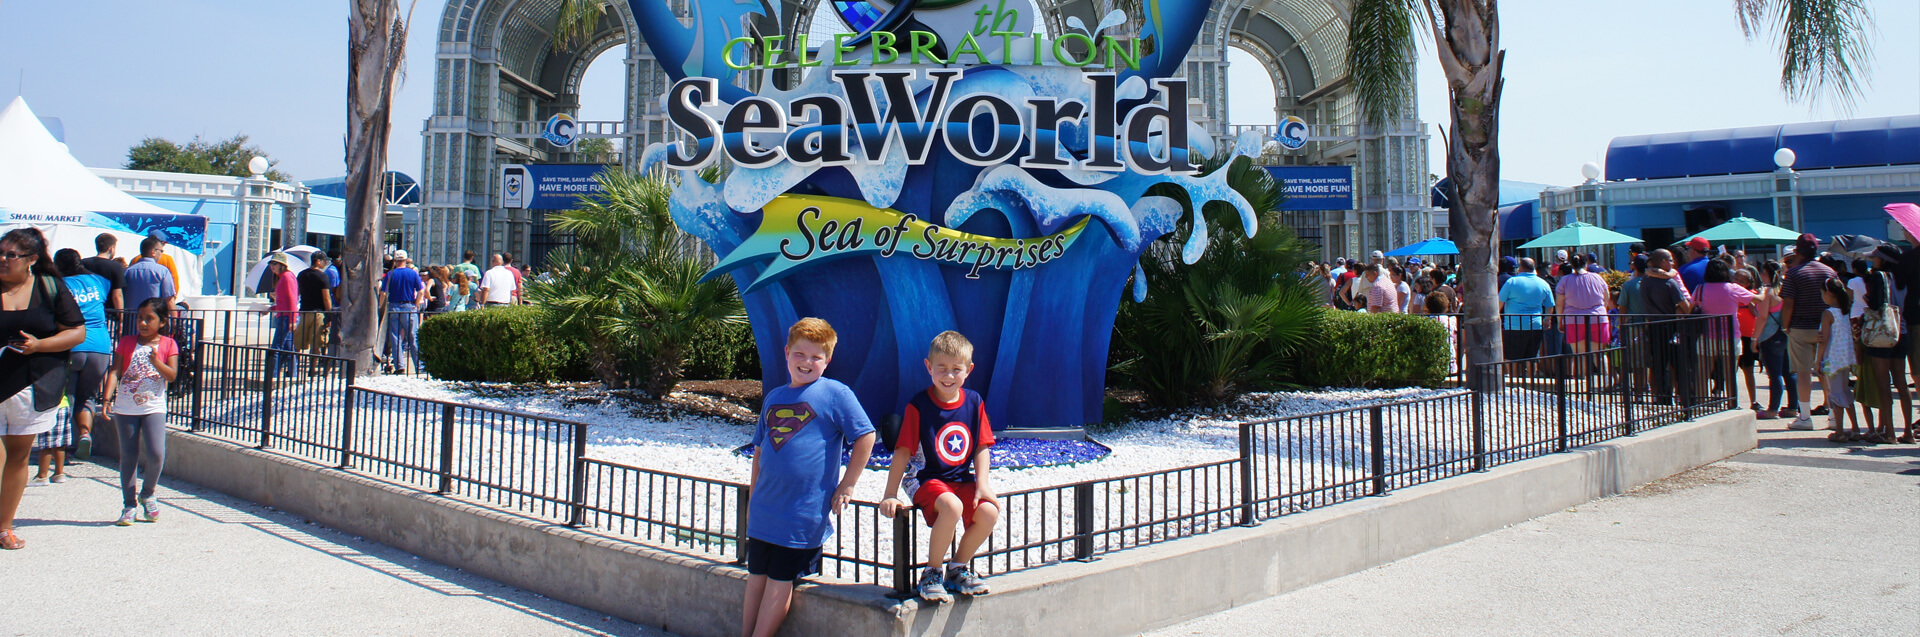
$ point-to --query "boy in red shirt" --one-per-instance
(945, 432)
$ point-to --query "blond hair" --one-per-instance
(951, 343)
(816, 330)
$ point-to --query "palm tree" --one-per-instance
(632, 285)
(376, 44)
(1823, 44)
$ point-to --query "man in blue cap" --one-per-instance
(162, 258)
(1507, 266)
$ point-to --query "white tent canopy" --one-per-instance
(43, 186)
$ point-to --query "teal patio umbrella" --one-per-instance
(1435, 246)
(1578, 234)
(1747, 231)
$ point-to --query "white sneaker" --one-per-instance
(1802, 423)
(37, 482)
(128, 517)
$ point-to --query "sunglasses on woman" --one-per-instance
(10, 256)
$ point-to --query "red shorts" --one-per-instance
(931, 490)
(1587, 329)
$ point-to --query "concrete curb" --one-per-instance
(1160, 584)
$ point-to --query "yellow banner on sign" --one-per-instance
(799, 229)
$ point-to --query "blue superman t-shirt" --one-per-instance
(798, 442)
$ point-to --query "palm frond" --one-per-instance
(1824, 44)
(1381, 42)
(577, 22)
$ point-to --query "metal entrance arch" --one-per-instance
(497, 79)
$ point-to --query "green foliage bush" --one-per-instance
(1227, 323)
(1355, 349)
(499, 344)
(723, 352)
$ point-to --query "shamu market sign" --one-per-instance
(938, 166)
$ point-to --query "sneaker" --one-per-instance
(1820, 411)
(961, 579)
(933, 587)
(151, 508)
(83, 449)
(38, 482)
(1764, 415)
(1802, 423)
(58, 478)
(128, 517)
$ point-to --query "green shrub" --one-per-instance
(723, 352)
(1227, 323)
(498, 344)
(1354, 349)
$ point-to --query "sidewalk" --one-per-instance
(214, 565)
(1798, 537)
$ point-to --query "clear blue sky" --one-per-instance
(1578, 74)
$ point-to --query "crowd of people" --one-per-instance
(302, 305)
(60, 350)
(1385, 284)
(1809, 316)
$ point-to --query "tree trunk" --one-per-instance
(1468, 36)
(376, 43)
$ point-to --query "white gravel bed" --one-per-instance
(704, 446)
(1306, 456)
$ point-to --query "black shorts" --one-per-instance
(781, 563)
(1748, 355)
(1519, 344)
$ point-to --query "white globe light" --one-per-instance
(258, 166)
(1783, 158)
(1590, 170)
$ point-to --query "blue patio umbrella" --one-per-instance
(1428, 247)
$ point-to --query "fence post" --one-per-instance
(1083, 522)
(1479, 431)
(743, 494)
(193, 402)
(446, 449)
(346, 424)
(1377, 430)
(1246, 476)
(266, 406)
(579, 502)
(1626, 392)
(226, 332)
(903, 553)
(1560, 409)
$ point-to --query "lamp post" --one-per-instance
(1786, 195)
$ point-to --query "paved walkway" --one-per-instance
(1799, 537)
(215, 565)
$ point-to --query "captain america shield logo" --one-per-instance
(953, 442)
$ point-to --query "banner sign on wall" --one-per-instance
(1315, 187)
(187, 232)
(938, 166)
(548, 186)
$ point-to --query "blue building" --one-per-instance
(1824, 178)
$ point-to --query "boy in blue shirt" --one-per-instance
(944, 431)
(797, 477)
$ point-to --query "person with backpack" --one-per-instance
(1883, 340)
(40, 322)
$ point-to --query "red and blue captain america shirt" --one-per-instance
(945, 436)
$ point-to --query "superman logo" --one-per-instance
(783, 421)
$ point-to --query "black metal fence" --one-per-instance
(539, 466)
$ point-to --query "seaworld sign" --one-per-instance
(898, 188)
(812, 131)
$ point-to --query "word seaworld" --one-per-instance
(812, 130)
